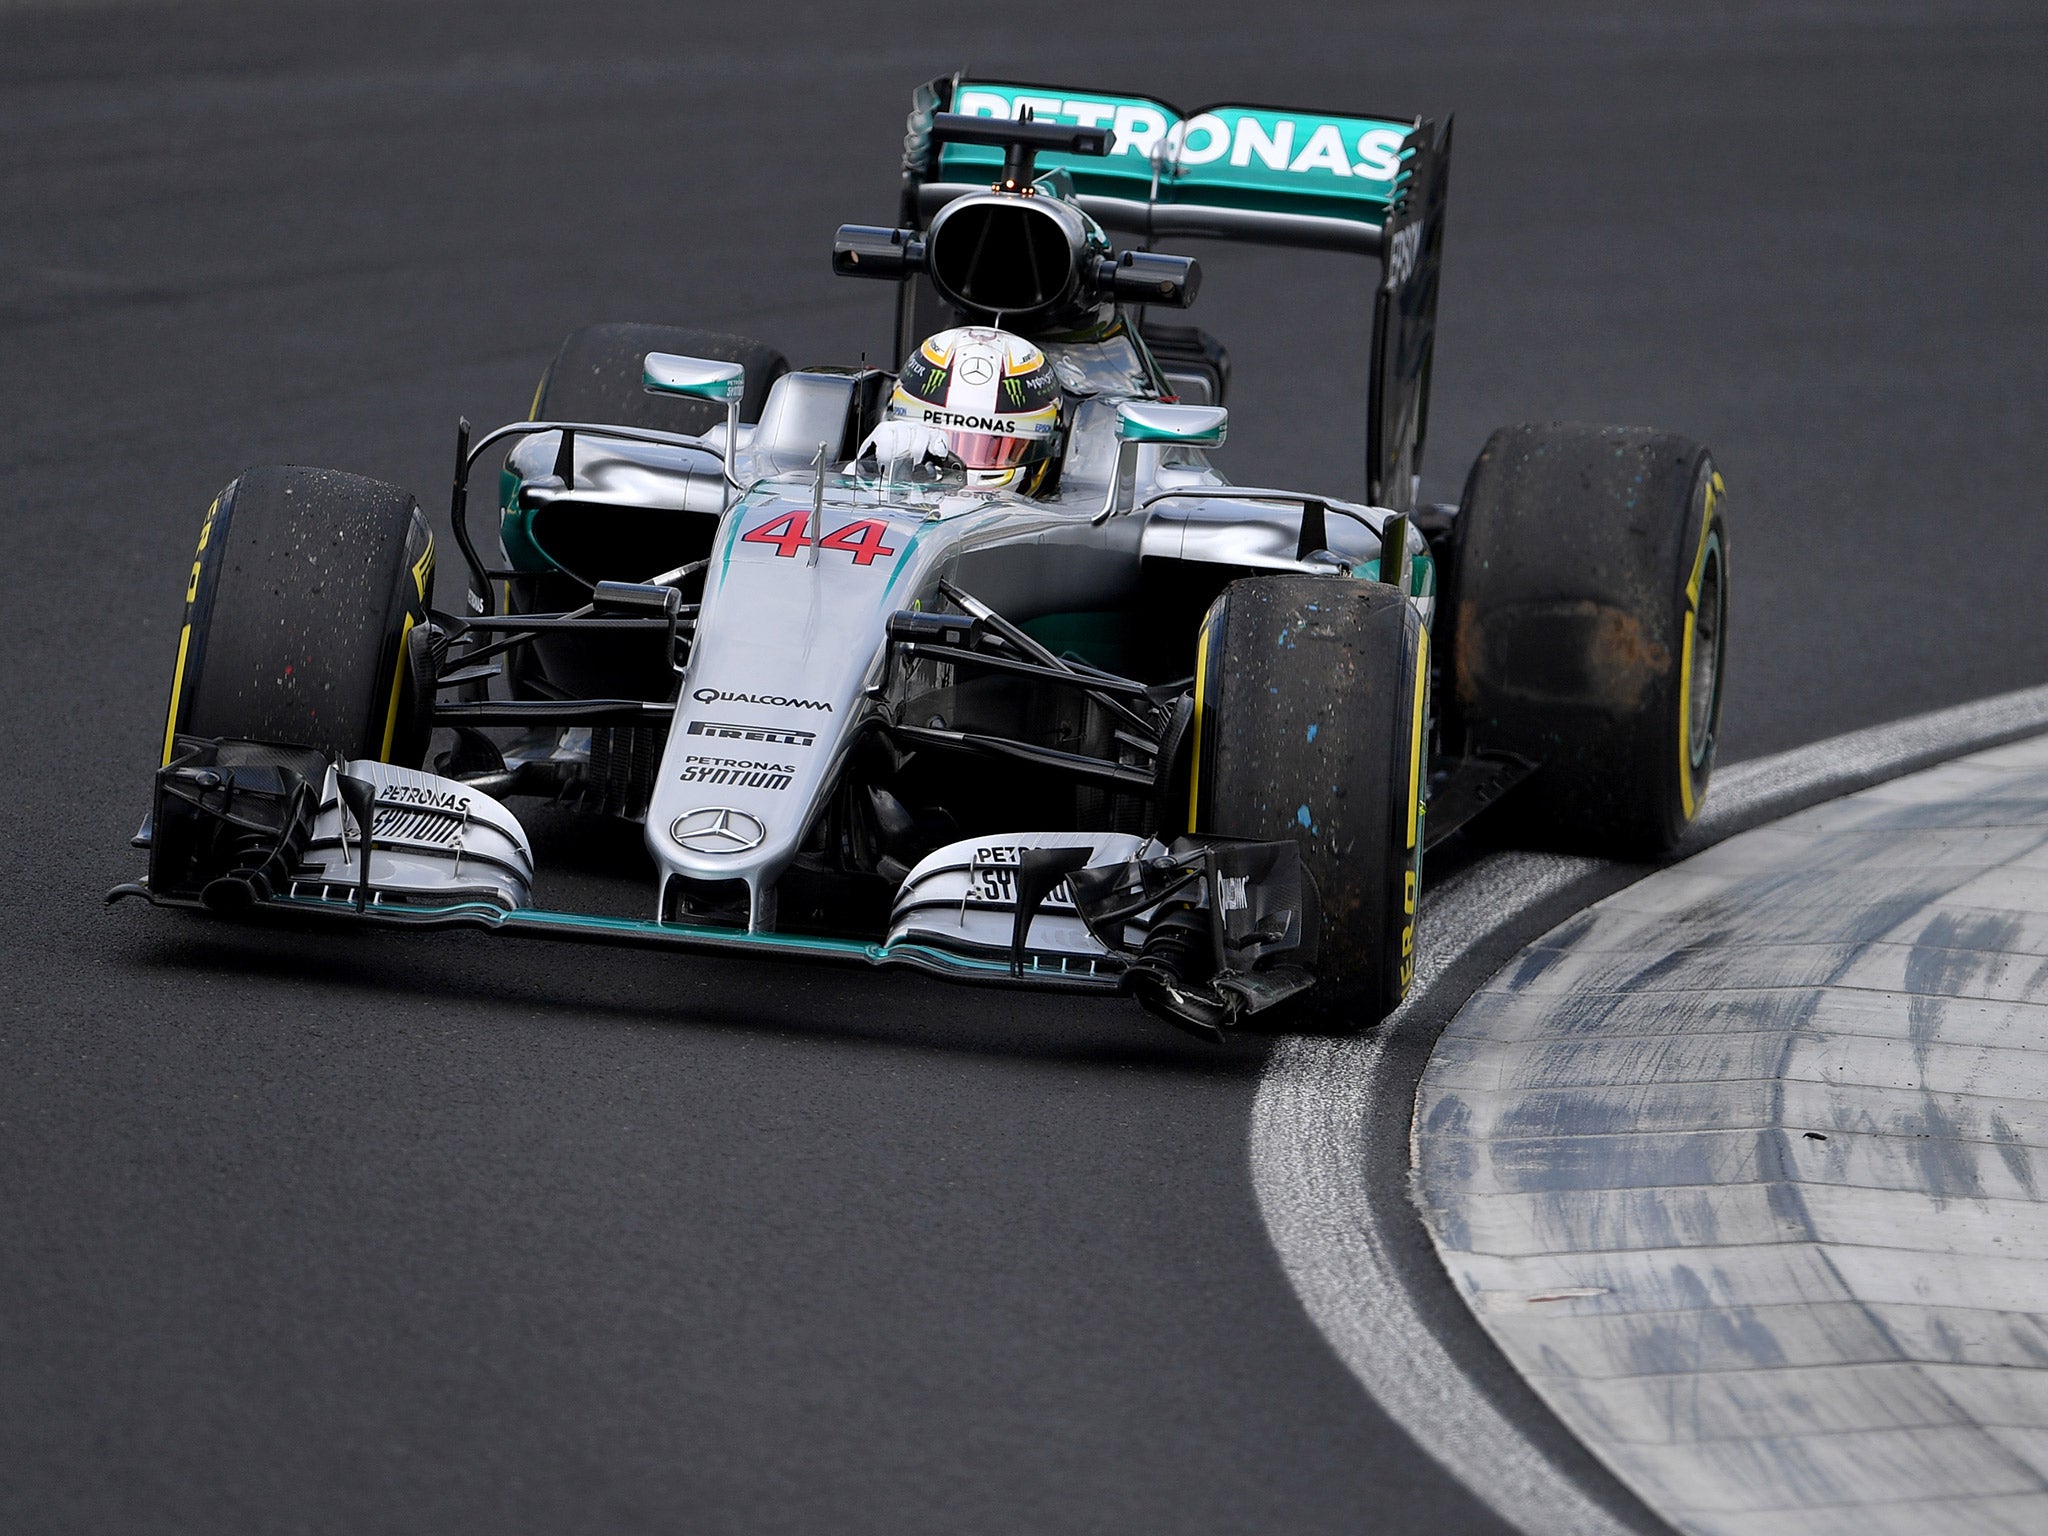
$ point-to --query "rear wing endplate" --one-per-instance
(1366, 185)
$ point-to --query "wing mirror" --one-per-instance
(701, 378)
(695, 378)
(1192, 426)
(1139, 422)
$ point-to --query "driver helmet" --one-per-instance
(992, 396)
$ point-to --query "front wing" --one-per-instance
(1202, 931)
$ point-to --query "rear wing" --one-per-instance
(1362, 184)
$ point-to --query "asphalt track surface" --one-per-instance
(394, 1233)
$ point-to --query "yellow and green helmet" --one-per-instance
(994, 398)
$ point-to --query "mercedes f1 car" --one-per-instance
(1113, 725)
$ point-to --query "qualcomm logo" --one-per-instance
(717, 829)
(770, 700)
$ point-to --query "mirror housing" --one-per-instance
(1192, 426)
(694, 378)
(701, 378)
(1139, 422)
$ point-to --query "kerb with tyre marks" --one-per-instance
(1332, 1165)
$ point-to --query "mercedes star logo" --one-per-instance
(717, 829)
(976, 369)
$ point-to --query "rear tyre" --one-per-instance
(303, 618)
(1310, 699)
(596, 376)
(1590, 629)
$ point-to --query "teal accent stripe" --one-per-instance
(903, 560)
(1421, 574)
(730, 535)
(541, 923)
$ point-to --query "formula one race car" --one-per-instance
(976, 665)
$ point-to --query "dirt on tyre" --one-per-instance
(304, 610)
(1589, 632)
(1311, 698)
(596, 376)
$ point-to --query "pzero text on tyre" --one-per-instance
(1311, 694)
(306, 590)
(1590, 622)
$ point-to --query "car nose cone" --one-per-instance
(717, 829)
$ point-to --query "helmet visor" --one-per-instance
(988, 450)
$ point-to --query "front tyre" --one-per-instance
(304, 609)
(1310, 702)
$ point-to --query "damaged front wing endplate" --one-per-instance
(1231, 928)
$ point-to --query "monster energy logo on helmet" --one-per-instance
(921, 378)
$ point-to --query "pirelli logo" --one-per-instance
(774, 736)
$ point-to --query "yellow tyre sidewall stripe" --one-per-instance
(423, 569)
(177, 687)
(397, 691)
(1687, 800)
(185, 634)
(422, 573)
(1411, 865)
(1415, 737)
(1195, 725)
